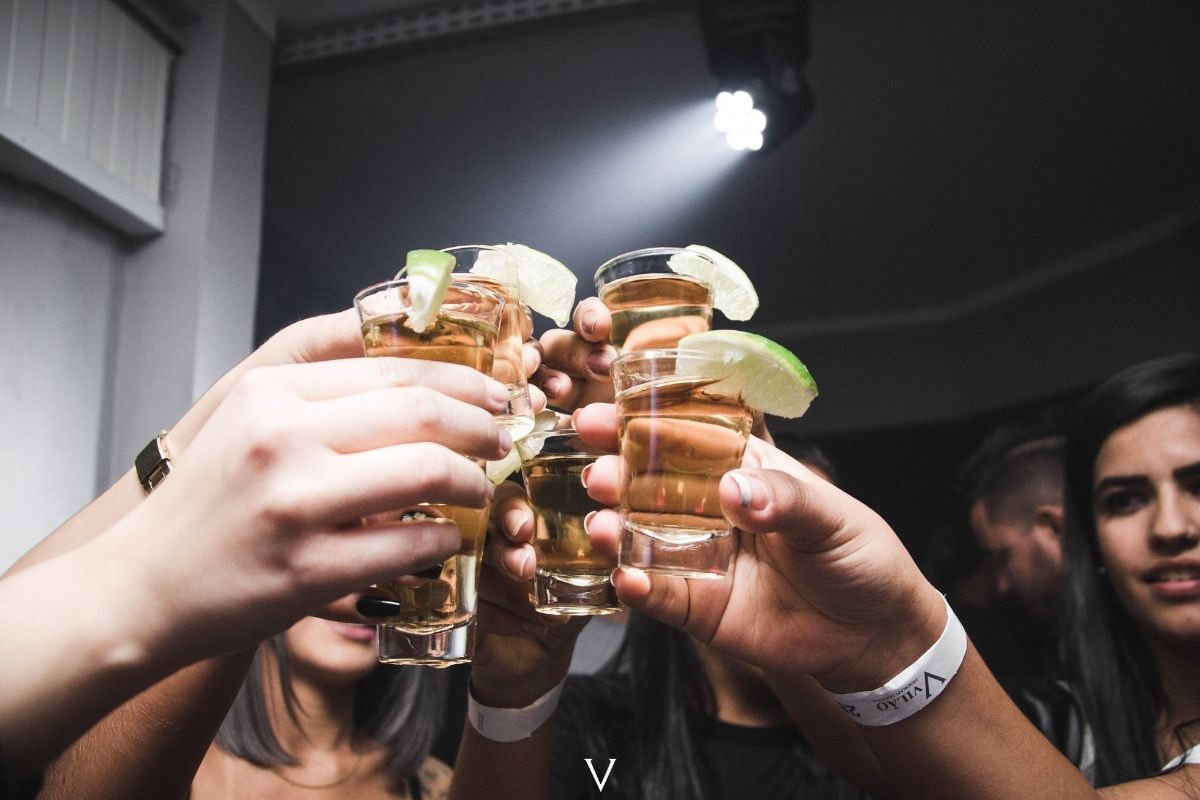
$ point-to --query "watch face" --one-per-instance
(153, 463)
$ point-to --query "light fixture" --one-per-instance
(758, 49)
(739, 120)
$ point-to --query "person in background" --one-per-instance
(317, 711)
(833, 594)
(1015, 509)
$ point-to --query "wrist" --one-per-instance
(897, 642)
(503, 724)
(512, 694)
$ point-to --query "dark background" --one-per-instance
(993, 206)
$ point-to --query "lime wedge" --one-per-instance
(766, 374)
(498, 471)
(428, 280)
(524, 448)
(733, 293)
(546, 285)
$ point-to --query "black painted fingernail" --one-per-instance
(370, 606)
(429, 573)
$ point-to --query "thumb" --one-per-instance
(806, 509)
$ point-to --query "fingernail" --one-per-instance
(497, 392)
(600, 361)
(583, 474)
(429, 573)
(526, 558)
(515, 520)
(505, 441)
(588, 322)
(554, 387)
(370, 606)
(748, 497)
(588, 521)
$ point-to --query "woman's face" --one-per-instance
(1146, 496)
(336, 652)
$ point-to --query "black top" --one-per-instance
(29, 788)
(736, 762)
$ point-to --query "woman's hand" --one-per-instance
(819, 585)
(261, 522)
(520, 654)
(575, 364)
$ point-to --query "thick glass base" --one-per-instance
(574, 595)
(672, 552)
(437, 650)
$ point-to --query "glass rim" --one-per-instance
(645, 252)
(559, 435)
(391, 283)
(659, 352)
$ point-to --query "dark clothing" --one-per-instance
(735, 762)
(26, 791)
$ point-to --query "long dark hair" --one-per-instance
(399, 707)
(1105, 651)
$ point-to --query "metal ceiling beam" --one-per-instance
(446, 22)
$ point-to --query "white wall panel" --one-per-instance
(92, 82)
(81, 69)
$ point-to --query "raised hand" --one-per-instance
(520, 654)
(575, 364)
(820, 584)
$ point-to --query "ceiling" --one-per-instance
(959, 153)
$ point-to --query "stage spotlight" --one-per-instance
(758, 49)
(742, 123)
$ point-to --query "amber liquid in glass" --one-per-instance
(677, 440)
(438, 604)
(655, 311)
(560, 504)
(509, 364)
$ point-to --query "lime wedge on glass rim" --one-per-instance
(428, 279)
(733, 293)
(525, 448)
(544, 282)
(766, 374)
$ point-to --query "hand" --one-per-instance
(260, 523)
(820, 584)
(575, 365)
(520, 654)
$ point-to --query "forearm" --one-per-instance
(80, 639)
(971, 741)
(503, 769)
(151, 746)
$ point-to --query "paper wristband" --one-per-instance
(512, 724)
(916, 686)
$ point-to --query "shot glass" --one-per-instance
(651, 305)
(678, 437)
(464, 332)
(438, 650)
(571, 578)
(509, 364)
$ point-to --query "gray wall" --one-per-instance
(58, 275)
(106, 340)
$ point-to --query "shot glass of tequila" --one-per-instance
(509, 364)
(652, 306)
(464, 332)
(571, 578)
(678, 437)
